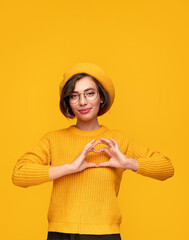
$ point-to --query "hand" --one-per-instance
(79, 164)
(117, 158)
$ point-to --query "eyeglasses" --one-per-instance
(90, 95)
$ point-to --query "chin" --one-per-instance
(85, 119)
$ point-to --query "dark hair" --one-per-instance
(69, 88)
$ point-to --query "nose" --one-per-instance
(82, 99)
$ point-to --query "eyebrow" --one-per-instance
(84, 90)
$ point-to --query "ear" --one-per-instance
(101, 100)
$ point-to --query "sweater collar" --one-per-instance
(85, 133)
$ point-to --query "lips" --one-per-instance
(85, 110)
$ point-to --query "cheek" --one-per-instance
(97, 102)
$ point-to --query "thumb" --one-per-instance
(104, 164)
(89, 165)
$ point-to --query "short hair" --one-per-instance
(69, 88)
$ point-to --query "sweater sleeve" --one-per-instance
(32, 168)
(151, 163)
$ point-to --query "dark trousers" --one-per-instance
(76, 236)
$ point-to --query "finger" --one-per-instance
(94, 150)
(89, 165)
(94, 144)
(92, 141)
(106, 150)
(88, 145)
(107, 142)
(91, 147)
(104, 164)
(114, 141)
(97, 151)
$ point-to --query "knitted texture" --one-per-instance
(85, 202)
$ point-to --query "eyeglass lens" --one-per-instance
(89, 95)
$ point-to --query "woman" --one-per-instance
(86, 161)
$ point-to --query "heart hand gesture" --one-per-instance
(117, 158)
(79, 164)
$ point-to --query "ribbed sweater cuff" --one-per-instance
(155, 169)
(31, 174)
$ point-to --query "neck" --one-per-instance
(89, 125)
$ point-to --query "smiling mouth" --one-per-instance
(85, 111)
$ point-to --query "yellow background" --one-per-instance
(143, 46)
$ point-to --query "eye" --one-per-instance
(73, 96)
(90, 93)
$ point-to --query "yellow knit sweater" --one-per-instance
(85, 202)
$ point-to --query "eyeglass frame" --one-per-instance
(85, 95)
